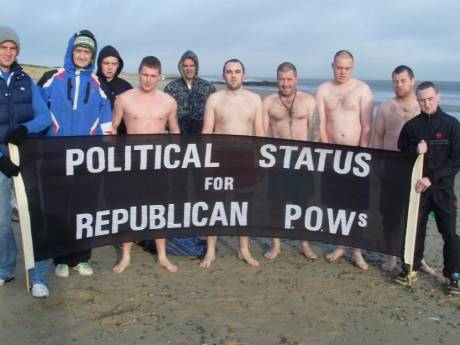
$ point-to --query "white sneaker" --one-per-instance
(40, 291)
(61, 270)
(84, 269)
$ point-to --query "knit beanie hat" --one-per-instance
(85, 42)
(8, 34)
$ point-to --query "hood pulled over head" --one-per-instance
(87, 42)
(188, 55)
(106, 52)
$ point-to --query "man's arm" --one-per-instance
(322, 116)
(117, 114)
(259, 126)
(40, 121)
(379, 128)
(42, 115)
(172, 119)
(367, 108)
(313, 121)
(209, 116)
(451, 167)
(265, 116)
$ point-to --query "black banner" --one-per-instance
(86, 192)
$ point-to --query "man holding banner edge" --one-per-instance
(437, 135)
(22, 111)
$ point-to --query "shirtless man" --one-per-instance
(390, 118)
(289, 115)
(146, 110)
(345, 108)
(235, 111)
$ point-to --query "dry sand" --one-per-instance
(288, 301)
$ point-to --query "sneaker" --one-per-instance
(40, 291)
(61, 270)
(6, 280)
(403, 278)
(452, 288)
(84, 269)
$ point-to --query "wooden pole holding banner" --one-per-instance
(24, 217)
(412, 217)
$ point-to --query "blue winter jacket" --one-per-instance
(20, 104)
(77, 102)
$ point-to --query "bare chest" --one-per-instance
(348, 101)
(398, 115)
(232, 111)
(146, 110)
(282, 111)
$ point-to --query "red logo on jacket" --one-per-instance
(439, 135)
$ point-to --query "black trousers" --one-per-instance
(73, 259)
(444, 205)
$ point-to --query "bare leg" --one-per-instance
(390, 264)
(244, 253)
(358, 259)
(273, 253)
(308, 252)
(427, 269)
(162, 258)
(210, 253)
(125, 258)
(336, 255)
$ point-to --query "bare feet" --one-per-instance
(308, 252)
(427, 269)
(275, 251)
(166, 264)
(272, 254)
(359, 261)
(248, 259)
(390, 264)
(207, 261)
(336, 255)
(121, 266)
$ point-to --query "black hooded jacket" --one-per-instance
(117, 85)
(442, 134)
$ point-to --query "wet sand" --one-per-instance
(288, 301)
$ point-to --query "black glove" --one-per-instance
(7, 167)
(17, 136)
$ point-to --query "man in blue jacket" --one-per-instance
(78, 106)
(22, 111)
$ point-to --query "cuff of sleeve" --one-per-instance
(107, 128)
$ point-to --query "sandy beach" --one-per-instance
(290, 301)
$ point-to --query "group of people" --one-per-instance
(72, 101)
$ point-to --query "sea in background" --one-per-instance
(382, 89)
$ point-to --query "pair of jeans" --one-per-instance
(8, 251)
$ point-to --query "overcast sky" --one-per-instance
(424, 34)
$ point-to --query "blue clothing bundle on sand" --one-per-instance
(184, 246)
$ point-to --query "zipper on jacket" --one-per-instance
(77, 89)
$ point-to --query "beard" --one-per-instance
(403, 94)
(234, 87)
(287, 93)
